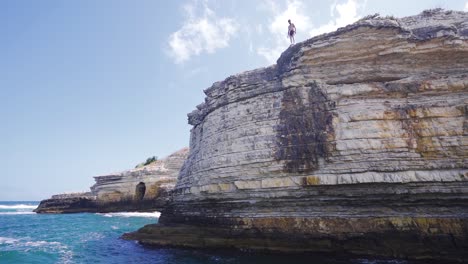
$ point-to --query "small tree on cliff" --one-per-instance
(147, 162)
(150, 160)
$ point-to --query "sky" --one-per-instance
(94, 87)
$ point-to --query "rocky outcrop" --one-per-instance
(354, 142)
(144, 188)
(68, 203)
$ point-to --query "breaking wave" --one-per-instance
(133, 214)
(7, 240)
(18, 206)
(16, 213)
(25, 245)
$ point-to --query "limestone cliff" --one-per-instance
(355, 142)
(140, 189)
(143, 188)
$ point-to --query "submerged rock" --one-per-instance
(354, 142)
(141, 189)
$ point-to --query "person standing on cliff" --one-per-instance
(291, 32)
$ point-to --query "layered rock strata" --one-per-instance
(144, 188)
(354, 142)
(141, 189)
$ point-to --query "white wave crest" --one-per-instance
(7, 240)
(25, 244)
(18, 206)
(17, 213)
(133, 214)
(42, 243)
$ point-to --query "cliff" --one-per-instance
(354, 142)
(144, 188)
(141, 189)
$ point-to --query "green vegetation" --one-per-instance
(147, 162)
(150, 160)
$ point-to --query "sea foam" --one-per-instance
(18, 206)
(16, 213)
(7, 240)
(133, 214)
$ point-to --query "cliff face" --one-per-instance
(355, 141)
(139, 189)
(144, 188)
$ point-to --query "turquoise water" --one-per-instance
(26, 237)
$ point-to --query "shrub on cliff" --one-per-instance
(147, 162)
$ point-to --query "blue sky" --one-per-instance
(92, 87)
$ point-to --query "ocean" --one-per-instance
(27, 237)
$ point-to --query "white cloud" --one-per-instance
(342, 15)
(201, 33)
(271, 54)
(279, 24)
(466, 6)
(278, 27)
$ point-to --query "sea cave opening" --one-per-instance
(140, 190)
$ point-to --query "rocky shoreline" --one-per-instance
(399, 237)
(141, 189)
(355, 142)
(68, 203)
(421, 221)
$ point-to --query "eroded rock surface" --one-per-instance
(355, 142)
(144, 188)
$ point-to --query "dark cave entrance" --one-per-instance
(140, 190)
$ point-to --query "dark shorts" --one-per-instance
(292, 32)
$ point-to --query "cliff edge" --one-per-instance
(354, 142)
